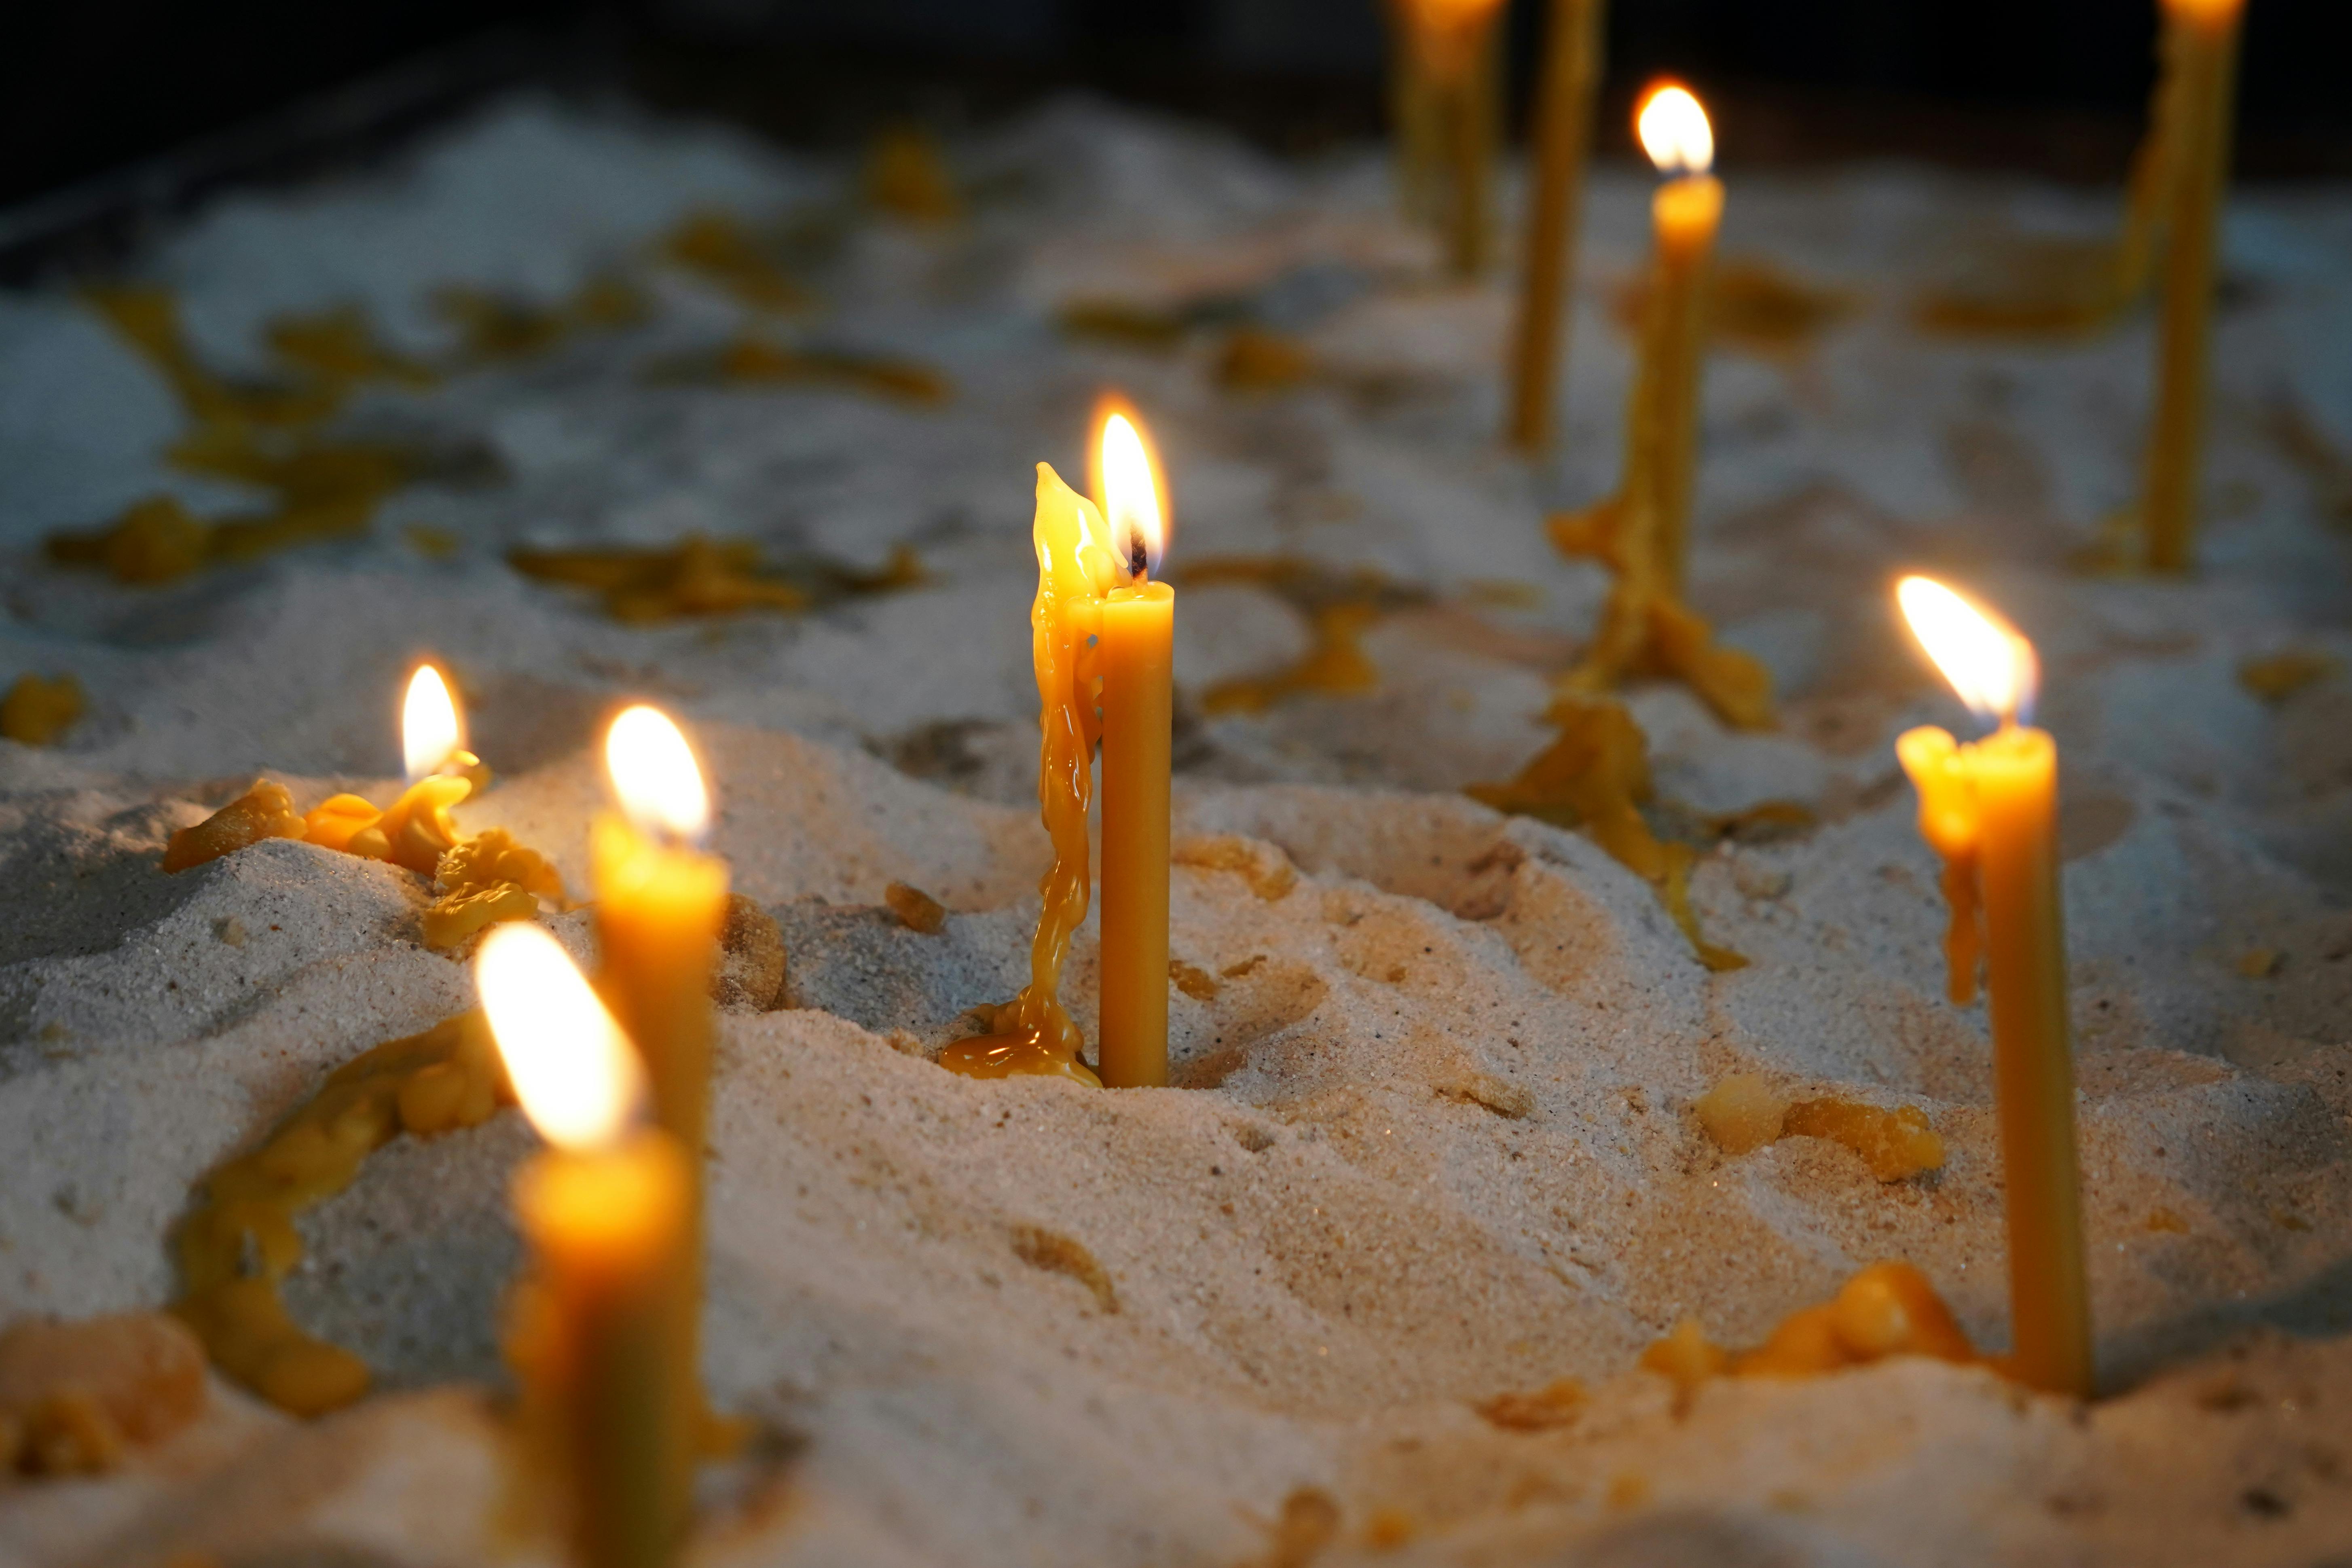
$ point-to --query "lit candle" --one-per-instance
(1991, 810)
(2201, 80)
(601, 1339)
(1661, 430)
(416, 830)
(1136, 656)
(660, 905)
(1563, 135)
(1033, 1034)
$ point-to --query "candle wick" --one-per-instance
(1138, 560)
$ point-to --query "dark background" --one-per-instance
(88, 91)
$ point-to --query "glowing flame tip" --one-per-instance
(654, 773)
(1989, 666)
(1132, 497)
(576, 1074)
(1674, 132)
(430, 729)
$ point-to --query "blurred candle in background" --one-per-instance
(1563, 139)
(1662, 438)
(2200, 89)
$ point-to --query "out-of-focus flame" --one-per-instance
(576, 1074)
(1128, 488)
(1989, 666)
(430, 731)
(1674, 130)
(653, 772)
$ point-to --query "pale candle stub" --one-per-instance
(601, 1335)
(416, 830)
(1134, 653)
(1990, 809)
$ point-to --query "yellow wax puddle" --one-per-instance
(239, 1241)
(2032, 289)
(495, 329)
(906, 175)
(1124, 324)
(724, 252)
(1556, 1405)
(1033, 1035)
(1594, 777)
(707, 577)
(916, 910)
(1754, 306)
(1647, 630)
(1743, 1114)
(39, 710)
(754, 360)
(265, 811)
(261, 434)
(1340, 605)
(486, 878)
(478, 880)
(1887, 1309)
(1254, 359)
(75, 1396)
(2280, 676)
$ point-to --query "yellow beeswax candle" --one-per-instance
(1563, 138)
(1453, 45)
(1033, 1034)
(1990, 808)
(1662, 433)
(2201, 41)
(1136, 656)
(660, 905)
(601, 1339)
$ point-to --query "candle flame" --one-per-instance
(1991, 667)
(430, 731)
(1129, 490)
(576, 1074)
(1674, 130)
(653, 770)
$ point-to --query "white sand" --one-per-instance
(1323, 1252)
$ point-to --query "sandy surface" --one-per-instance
(1434, 1143)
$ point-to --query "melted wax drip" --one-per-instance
(1034, 1034)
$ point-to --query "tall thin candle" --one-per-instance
(1136, 654)
(1991, 810)
(1563, 137)
(600, 1340)
(2201, 39)
(1662, 438)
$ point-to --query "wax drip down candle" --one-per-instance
(1134, 653)
(1076, 571)
(1990, 809)
(599, 1333)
